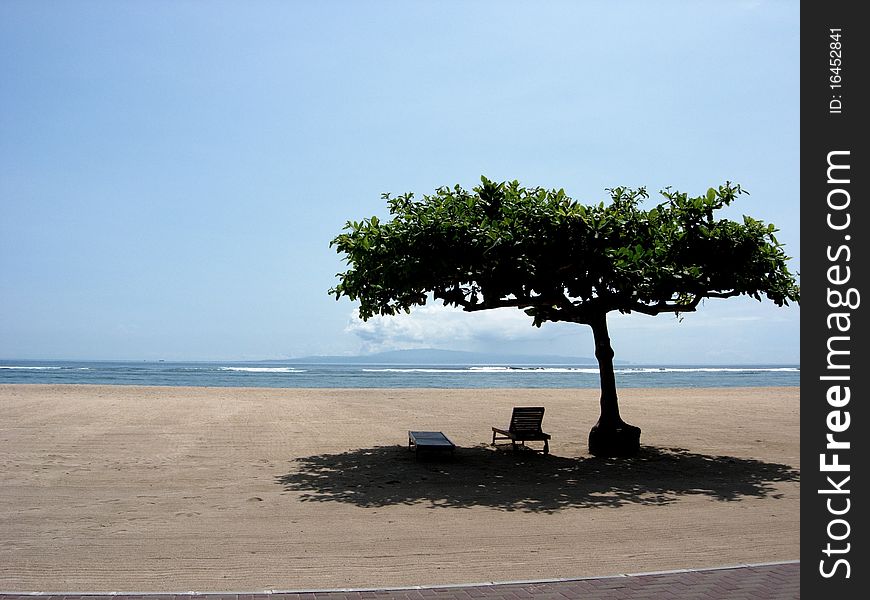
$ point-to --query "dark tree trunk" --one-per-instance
(611, 436)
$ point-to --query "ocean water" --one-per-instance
(357, 375)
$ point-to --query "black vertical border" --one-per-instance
(827, 127)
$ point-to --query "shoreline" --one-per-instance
(149, 488)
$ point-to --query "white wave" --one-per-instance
(263, 369)
(585, 370)
(646, 370)
(30, 368)
(413, 370)
(489, 369)
(534, 369)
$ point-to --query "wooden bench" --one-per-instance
(525, 427)
(429, 443)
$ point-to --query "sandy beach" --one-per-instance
(109, 488)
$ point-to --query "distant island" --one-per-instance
(432, 356)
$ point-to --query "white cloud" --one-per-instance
(737, 330)
(437, 326)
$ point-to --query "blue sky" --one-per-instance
(171, 173)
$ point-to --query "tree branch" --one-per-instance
(679, 307)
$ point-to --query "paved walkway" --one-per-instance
(774, 581)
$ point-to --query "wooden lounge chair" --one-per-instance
(525, 427)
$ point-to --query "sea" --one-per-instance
(272, 374)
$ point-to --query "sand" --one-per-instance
(109, 488)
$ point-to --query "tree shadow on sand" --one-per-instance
(527, 481)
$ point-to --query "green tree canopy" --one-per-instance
(536, 249)
(504, 245)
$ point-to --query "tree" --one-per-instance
(503, 245)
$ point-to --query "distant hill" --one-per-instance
(431, 356)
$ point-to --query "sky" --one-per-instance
(171, 173)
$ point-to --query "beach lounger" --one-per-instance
(525, 426)
(429, 443)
